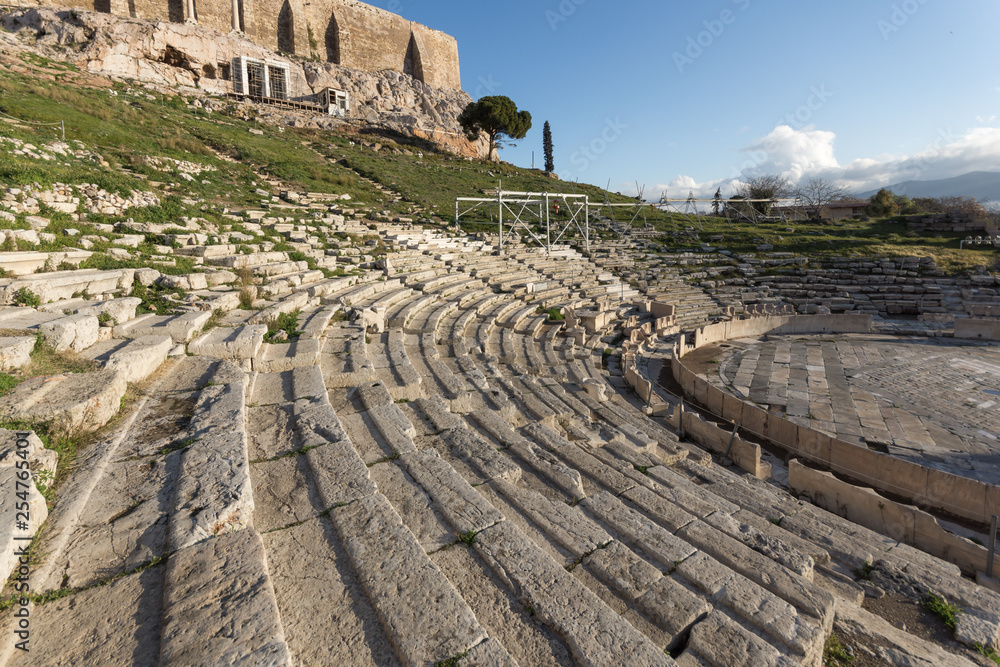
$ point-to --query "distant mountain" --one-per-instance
(984, 185)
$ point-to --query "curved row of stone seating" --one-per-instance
(469, 454)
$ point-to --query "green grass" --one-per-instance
(7, 383)
(286, 322)
(943, 609)
(218, 315)
(436, 179)
(453, 661)
(834, 653)
(816, 240)
(989, 652)
(127, 129)
(46, 361)
(153, 300)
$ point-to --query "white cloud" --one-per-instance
(794, 153)
(798, 154)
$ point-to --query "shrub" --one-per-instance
(287, 322)
(25, 297)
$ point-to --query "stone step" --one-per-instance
(70, 401)
(277, 358)
(213, 494)
(807, 597)
(15, 352)
(595, 634)
(181, 328)
(139, 358)
(400, 580)
(236, 344)
(540, 460)
(223, 588)
(462, 506)
(64, 284)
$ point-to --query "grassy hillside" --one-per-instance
(125, 126)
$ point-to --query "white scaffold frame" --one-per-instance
(730, 211)
(527, 208)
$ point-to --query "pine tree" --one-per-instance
(717, 204)
(547, 147)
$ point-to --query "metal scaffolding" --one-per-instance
(734, 210)
(535, 213)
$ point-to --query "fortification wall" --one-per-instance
(343, 32)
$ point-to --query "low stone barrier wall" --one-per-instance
(900, 522)
(971, 329)
(960, 496)
(744, 454)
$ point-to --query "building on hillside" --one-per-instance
(344, 32)
(854, 210)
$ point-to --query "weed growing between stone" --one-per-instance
(989, 652)
(943, 609)
(284, 328)
(834, 653)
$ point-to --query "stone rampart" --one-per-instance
(343, 32)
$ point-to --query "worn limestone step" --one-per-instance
(595, 634)
(73, 401)
(276, 358)
(213, 494)
(233, 344)
(462, 506)
(891, 644)
(182, 328)
(539, 459)
(15, 352)
(64, 284)
(399, 581)
(223, 588)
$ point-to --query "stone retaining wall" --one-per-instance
(746, 455)
(900, 522)
(960, 496)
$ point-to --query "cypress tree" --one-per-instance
(547, 147)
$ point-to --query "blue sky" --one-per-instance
(684, 96)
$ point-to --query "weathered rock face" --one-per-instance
(199, 58)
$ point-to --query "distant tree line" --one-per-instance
(886, 204)
(759, 193)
